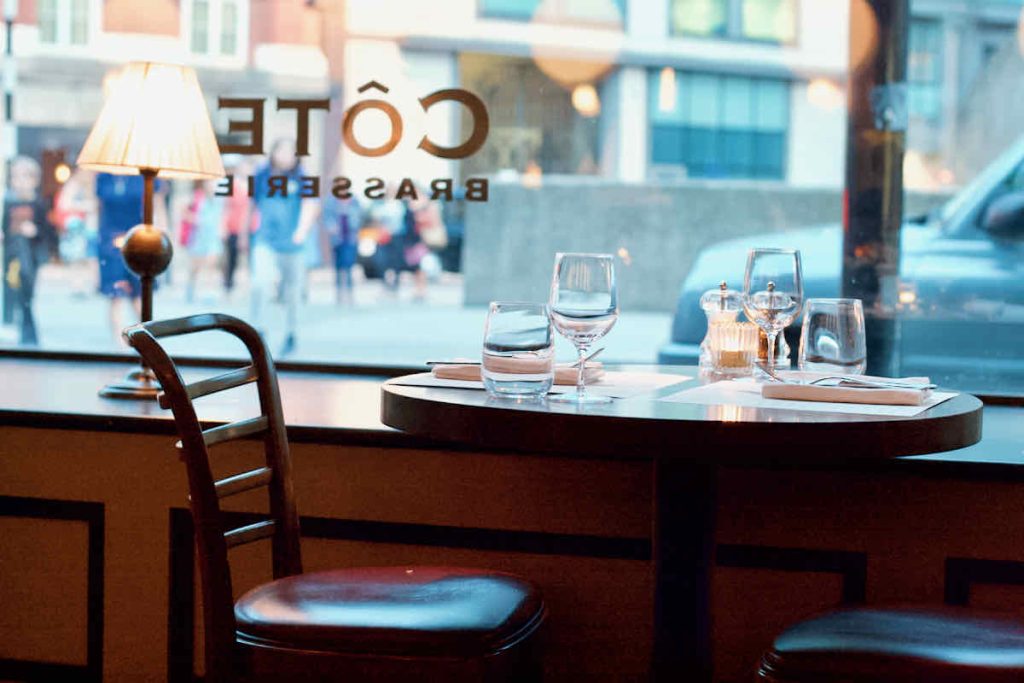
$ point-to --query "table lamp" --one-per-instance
(153, 122)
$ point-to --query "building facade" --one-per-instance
(629, 90)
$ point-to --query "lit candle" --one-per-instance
(733, 347)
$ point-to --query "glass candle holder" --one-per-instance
(733, 348)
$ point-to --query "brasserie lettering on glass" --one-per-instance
(343, 187)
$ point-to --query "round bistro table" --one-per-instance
(686, 444)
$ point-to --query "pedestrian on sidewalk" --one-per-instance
(278, 245)
(29, 238)
(342, 219)
(237, 215)
(201, 233)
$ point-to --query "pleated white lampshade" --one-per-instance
(154, 117)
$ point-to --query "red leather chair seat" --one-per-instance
(899, 645)
(401, 611)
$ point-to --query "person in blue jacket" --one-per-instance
(120, 209)
(285, 219)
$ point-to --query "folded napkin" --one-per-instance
(848, 394)
(564, 374)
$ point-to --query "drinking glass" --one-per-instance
(519, 350)
(832, 337)
(584, 306)
(772, 292)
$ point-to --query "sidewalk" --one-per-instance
(379, 328)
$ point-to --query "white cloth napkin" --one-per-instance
(847, 394)
(564, 374)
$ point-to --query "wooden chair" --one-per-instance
(384, 623)
(898, 645)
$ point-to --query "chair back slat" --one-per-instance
(249, 533)
(246, 481)
(236, 430)
(211, 385)
(205, 493)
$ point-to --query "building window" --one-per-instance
(63, 22)
(215, 27)
(771, 21)
(718, 126)
(924, 69)
(569, 11)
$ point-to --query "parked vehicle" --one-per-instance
(961, 289)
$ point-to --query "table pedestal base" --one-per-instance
(683, 543)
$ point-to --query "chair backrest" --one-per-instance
(212, 537)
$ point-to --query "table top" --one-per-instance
(345, 409)
(643, 427)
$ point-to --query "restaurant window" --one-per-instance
(771, 21)
(924, 68)
(215, 27)
(719, 126)
(608, 141)
(63, 22)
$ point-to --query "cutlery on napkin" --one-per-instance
(564, 373)
(849, 393)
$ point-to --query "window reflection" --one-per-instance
(674, 134)
(761, 20)
(719, 126)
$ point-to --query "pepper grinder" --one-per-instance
(722, 305)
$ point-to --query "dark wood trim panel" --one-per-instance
(93, 515)
(962, 572)
(852, 566)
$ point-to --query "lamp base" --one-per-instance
(139, 384)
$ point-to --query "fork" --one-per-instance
(850, 379)
(881, 384)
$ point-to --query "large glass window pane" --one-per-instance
(600, 138)
(596, 11)
(770, 20)
(200, 26)
(517, 9)
(737, 102)
(699, 17)
(719, 125)
(79, 22)
(924, 68)
(959, 313)
(229, 27)
(667, 145)
(47, 12)
(702, 93)
(772, 105)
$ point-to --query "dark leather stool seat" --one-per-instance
(395, 611)
(899, 644)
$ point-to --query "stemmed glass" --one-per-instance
(584, 306)
(773, 292)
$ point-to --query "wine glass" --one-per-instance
(772, 292)
(584, 306)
